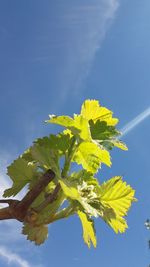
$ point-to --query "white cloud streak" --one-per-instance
(135, 122)
(85, 27)
(13, 258)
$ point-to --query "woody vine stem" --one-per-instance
(20, 210)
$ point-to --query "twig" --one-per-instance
(49, 199)
(5, 214)
(8, 201)
(26, 202)
(20, 209)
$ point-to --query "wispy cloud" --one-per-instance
(13, 258)
(84, 27)
(135, 122)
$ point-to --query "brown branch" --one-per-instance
(49, 199)
(6, 214)
(20, 209)
(8, 201)
(26, 202)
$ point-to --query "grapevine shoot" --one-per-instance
(56, 190)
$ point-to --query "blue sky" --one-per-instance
(53, 56)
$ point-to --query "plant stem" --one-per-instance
(50, 198)
(20, 209)
(26, 202)
(64, 213)
(6, 214)
(8, 201)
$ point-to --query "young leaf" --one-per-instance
(91, 110)
(70, 191)
(65, 121)
(101, 131)
(116, 197)
(45, 156)
(120, 144)
(60, 142)
(37, 234)
(78, 125)
(28, 156)
(109, 144)
(91, 156)
(21, 173)
(83, 126)
(89, 235)
(83, 176)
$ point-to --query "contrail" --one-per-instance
(136, 121)
(13, 258)
(86, 23)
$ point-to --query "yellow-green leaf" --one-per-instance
(65, 121)
(45, 154)
(21, 173)
(116, 197)
(83, 126)
(120, 144)
(37, 234)
(77, 125)
(88, 229)
(91, 156)
(70, 191)
(91, 110)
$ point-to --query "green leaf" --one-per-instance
(120, 144)
(106, 135)
(36, 234)
(21, 173)
(101, 131)
(45, 156)
(60, 142)
(65, 121)
(82, 125)
(91, 156)
(78, 126)
(91, 110)
(89, 235)
(109, 144)
(116, 197)
(83, 176)
(69, 190)
(28, 156)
